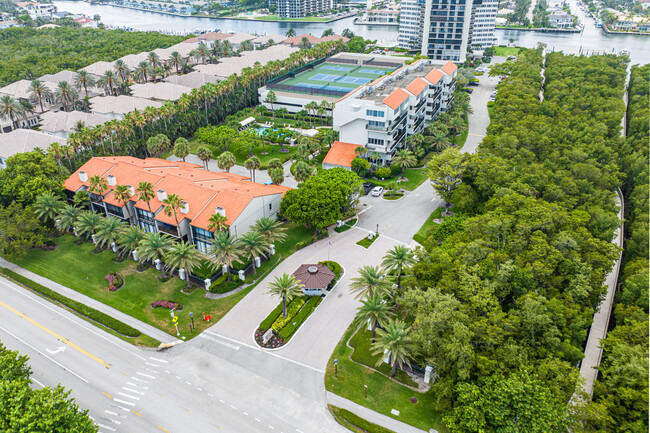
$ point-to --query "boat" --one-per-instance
(624, 52)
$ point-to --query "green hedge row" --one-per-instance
(221, 285)
(355, 423)
(303, 244)
(266, 323)
(292, 309)
(287, 332)
(91, 313)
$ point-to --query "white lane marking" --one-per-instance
(39, 383)
(158, 360)
(189, 383)
(136, 385)
(214, 340)
(153, 365)
(128, 396)
(151, 371)
(33, 348)
(117, 406)
(221, 401)
(299, 431)
(210, 395)
(35, 298)
(200, 389)
(146, 375)
(112, 420)
(245, 413)
(271, 427)
(139, 380)
(178, 377)
(257, 419)
(105, 426)
(110, 413)
(128, 403)
(233, 407)
(266, 352)
(132, 390)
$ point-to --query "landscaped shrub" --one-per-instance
(383, 173)
(221, 285)
(167, 304)
(115, 281)
(350, 421)
(266, 323)
(302, 244)
(395, 170)
(346, 226)
(84, 310)
(332, 266)
(204, 270)
(292, 310)
(287, 332)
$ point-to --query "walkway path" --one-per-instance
(145, 328)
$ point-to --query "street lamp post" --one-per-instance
(336, 368)
(192, 317)
(365, 391)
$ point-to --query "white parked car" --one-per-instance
(377, 191)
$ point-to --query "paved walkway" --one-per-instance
(372, 416)
(145, 328)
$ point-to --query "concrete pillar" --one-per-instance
(272, 249)
(427, 373)
(94, 239)
(158, 264)
(181, 274)
(242, 275)
(114, 247)
(258, 262)
(371, 235)
(369, 325)
(134, 253)
(224, 269)
(207, 283)
(387, 356)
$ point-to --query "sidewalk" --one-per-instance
(146, 329)
(372, 416)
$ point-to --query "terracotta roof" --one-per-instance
(434, 76)
(417, 86)
(239, 38)
(209, 36)
(395, 99)
(83, 20)
(297, 39)
(203, 190)
(334, 38)
(315, 276)
(449, 68)
(341, 154)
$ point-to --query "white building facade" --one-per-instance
(300, 8)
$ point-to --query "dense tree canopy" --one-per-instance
(29, 175)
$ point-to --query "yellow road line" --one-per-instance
(477, 135)
(162, 429)
(57, 336)
(136, 413)
(183, 408)
(106, 395)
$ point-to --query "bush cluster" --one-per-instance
(84, 310)
(266, 323)
(167, 304)
(287, 332)
(292, 309)
(221, 285)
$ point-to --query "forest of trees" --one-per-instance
(28, 53)
(506, 291)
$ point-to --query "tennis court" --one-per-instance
(340, 79)
(337, 68)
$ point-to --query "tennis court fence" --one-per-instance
(342, 61)
(294, 72)
(309, 90)
(381, 64)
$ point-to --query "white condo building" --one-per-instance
(445, 29)
(300, 8)
(381, 114)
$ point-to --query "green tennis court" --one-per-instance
(336, 77)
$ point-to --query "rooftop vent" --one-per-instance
(83, 176)
(312, 269)
(111, 180)
(162, 194)
(131, 190)
(185, 207)
(219, 210)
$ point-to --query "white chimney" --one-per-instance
(162, 195)
(83, 176)
(111, 180)
(185, 207)
(220, 210)
(131, 190)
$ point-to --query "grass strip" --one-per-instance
(84, 310)
(421, 236)
(347, 226)
(355, 423)
(365, 242)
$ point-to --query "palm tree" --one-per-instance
(153, 59)
(10, 108)
(87, 223)
(290, 33)
(202, 52)
(65, 94)
(155, 246)
(67, 218)
(122, 194)
(370, 282)
(130, 239)
(253, 245)
(123, 71)
(173, 205)
(397, 259)
(271, 99)
(108, 231)
(394, 339)
(205, 154)
(175, 61)
(98, 185)
(405, 159)
(304, 43)
(83, 80)
(457, 125)
(375, 310)
(303, 171)
(27, 109)
(439, 140)
(285, 287)
(145, 193)
(47, 206)
(142, 72)
(226, 160)
(38, 91)
(218, 223)
(224, 250)
(181, 148)
(253, 163)
(109, 82)
(270, 230)
(183, 255)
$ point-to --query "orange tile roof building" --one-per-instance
(340, 155)
(203, 192)
(380, 115)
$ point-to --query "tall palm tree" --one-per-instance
(10, 109)
(153, 59)
(109, 82)
(87, 223)
(253, 163)
(205, 154)
(285, 287)
(271, 99)
(439, 140)
(129, 239)
(226, 161)
(145, 193)
(202, 52)
(176, 61)
(142, 72)
(290, 33)
(172, 207)
(123, 71)
(65, 94)
(270, 230)
(122, 194)
(38, 92)
(395, 339)
(83, 80)
(98, 185)
(109, 231)
(47, 206)
(224, 250)
(218, 223)
(253, 245)
(155, 246)
(405, 159)
(183, 255)
(375, 310)
(370, 282)
(397, 259)
(456, 126)
(67, 218)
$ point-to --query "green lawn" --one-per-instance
(346, 226)
(365, 242)
(421, 235)
(506, 51)
(415, 178)
(76, 267)
(383, 393)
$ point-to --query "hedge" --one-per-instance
(303, 244)
(266, 323)
(221, 285)
(287, 332)
(355, 423)
(292, 310)
(204, 270)
(84, 310)
(332, 266)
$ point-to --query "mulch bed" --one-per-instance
(273, 343)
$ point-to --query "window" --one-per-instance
(375, 123)
(114, 210)
(376, 141)
(270, 206)
(201, 233)
(144, 215)
(374, 113)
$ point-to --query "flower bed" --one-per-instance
(167, 304)
(115, 281)
(284, 328)
(273, 342)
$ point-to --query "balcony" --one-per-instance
(168, 229)
(376, 128)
